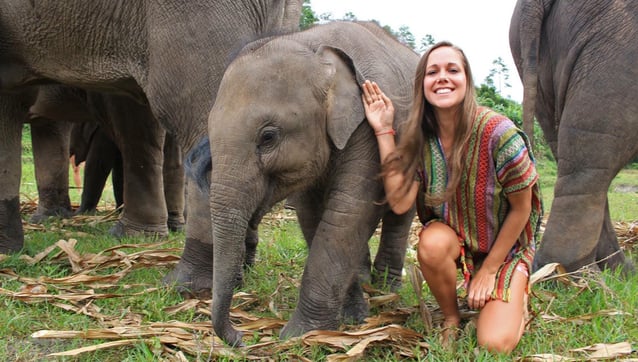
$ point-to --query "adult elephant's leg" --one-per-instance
(174, 183)
(140, 139)
(100, 160)
(590, 153)
(388, 262)
(609, 252)
(193, 275)
(11, 116)
(50, 142)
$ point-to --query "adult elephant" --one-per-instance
(100, 122)
(288, 122)
(165, 54)
(577, 63)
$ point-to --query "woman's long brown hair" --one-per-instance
(422, 124)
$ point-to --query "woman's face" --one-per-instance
(445, 82)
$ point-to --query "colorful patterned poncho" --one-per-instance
(498, 162)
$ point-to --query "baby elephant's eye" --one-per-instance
(267, 138)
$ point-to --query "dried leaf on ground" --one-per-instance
(596, 352)
(583, 317)
(606, 351)
(546, 357)
(78, 351)
(341, 340)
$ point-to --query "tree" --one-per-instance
(405, 36)
(501, 71)
(426, 42)
(349, 16)
(308, 17)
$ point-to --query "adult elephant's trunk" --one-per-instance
(232, 208)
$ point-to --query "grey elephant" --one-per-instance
(106, 120)
(168, 55)
(288, 122)
(577, 61)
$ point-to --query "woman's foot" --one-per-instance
(450, 332)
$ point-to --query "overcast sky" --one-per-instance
(479, 27)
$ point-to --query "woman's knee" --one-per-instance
(437, 242)
(497, 341)
(501, 324)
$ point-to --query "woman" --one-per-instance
(474, 179)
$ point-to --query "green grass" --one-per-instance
(566, 316)
(623, 195)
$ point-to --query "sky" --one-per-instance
(480, 28)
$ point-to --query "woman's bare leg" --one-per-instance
(501, 324)
(437, 252)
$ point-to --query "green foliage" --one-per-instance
(27, 150)
(27, 185)
(308, 17)
(489, 97)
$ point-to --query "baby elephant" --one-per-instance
(288, 122)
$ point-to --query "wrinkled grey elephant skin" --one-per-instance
(99, 121)
(56, 106)
(93, 144)
(167, 54)
(288, 123)
(577, 61)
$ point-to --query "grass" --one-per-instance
(567, 315)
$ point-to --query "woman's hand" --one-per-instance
(482, 284)
(378, 108)
(481, 288)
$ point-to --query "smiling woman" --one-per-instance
(472, 173)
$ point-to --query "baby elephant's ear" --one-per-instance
(344, 105)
